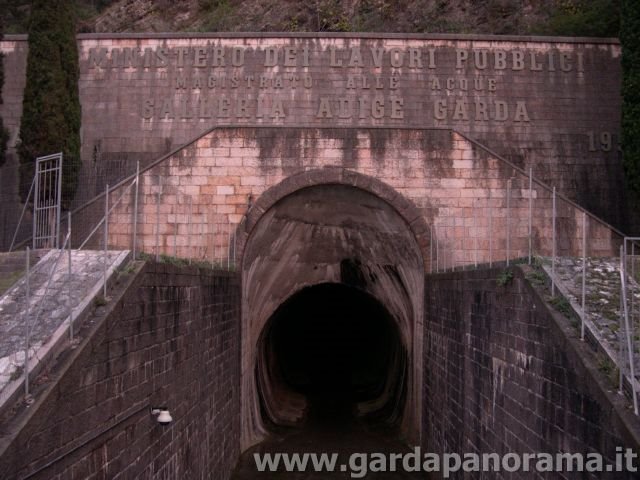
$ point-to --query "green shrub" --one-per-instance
(51, 106)
(4, 134)
(586, 18)
(630, 38)
(504, 278)
(562, 305)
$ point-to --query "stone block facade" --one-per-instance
(475, 204)
(550, 104)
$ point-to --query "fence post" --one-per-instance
(530, 212)
(36, 202)
(190, 253)
(69, 280)
(135, 210)
(475, 233)
(203, 238)
(27, 326)
(621, 339)
(584, 273)
(106, 239)
(59, 200)
(235, 235)
(490, 234)
(632, 288)
(508, 220)
(213, 241)
(158, 218)
(175, 238)
(437, 250)
(553, 246)
(228, 246)
(430, 248)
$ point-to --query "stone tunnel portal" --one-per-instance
(333, 288)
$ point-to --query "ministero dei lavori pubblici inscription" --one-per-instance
(322, 81)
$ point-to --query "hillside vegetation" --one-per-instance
(518, 17)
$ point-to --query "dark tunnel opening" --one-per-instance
(340, 349)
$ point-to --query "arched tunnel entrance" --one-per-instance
(340, 348)
(332, 309)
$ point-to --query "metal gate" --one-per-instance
(47, 201)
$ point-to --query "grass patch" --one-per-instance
(128, 269)
(536, 277)
(504, 278)
(17, 373)
(562, 305)
(7, 282)
(99, 301)
(608, 368)
(145, 257)
(169, 260)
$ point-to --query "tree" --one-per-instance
(4, 134)
(630, 38)
(585, 18)
(51, 107)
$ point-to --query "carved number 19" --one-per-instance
(603, 143)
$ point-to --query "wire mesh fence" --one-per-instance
(167, 217)
(592, 268)
(164, 224)
(102, 227)
(87, 182)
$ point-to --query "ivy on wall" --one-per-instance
(51, 107)
(630, 38)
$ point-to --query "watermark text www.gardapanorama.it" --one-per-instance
(358, 465)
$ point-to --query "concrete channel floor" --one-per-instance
(330, 429)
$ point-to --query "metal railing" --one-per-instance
(159, 216)
(588, 264)
(628, 319)
(32, 312)
(187, 235)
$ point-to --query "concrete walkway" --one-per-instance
(602, 306)
(52, 293)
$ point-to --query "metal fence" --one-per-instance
(592, 268)
(91, 231)
(159, 216)
(16, 230)
(189, 234)
(629, 318)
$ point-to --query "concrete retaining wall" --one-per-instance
(503, 374)
(171, 340)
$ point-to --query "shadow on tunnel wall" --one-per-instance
(336, 350)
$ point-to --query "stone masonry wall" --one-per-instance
(171, 340)
(503, 375)
(203, 192)
(552, 104)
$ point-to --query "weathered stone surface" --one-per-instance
(172, 339)
(328, 234)
(502, 374)
(53, 294)
(603, 305)
(465, 205)
(550, 104)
